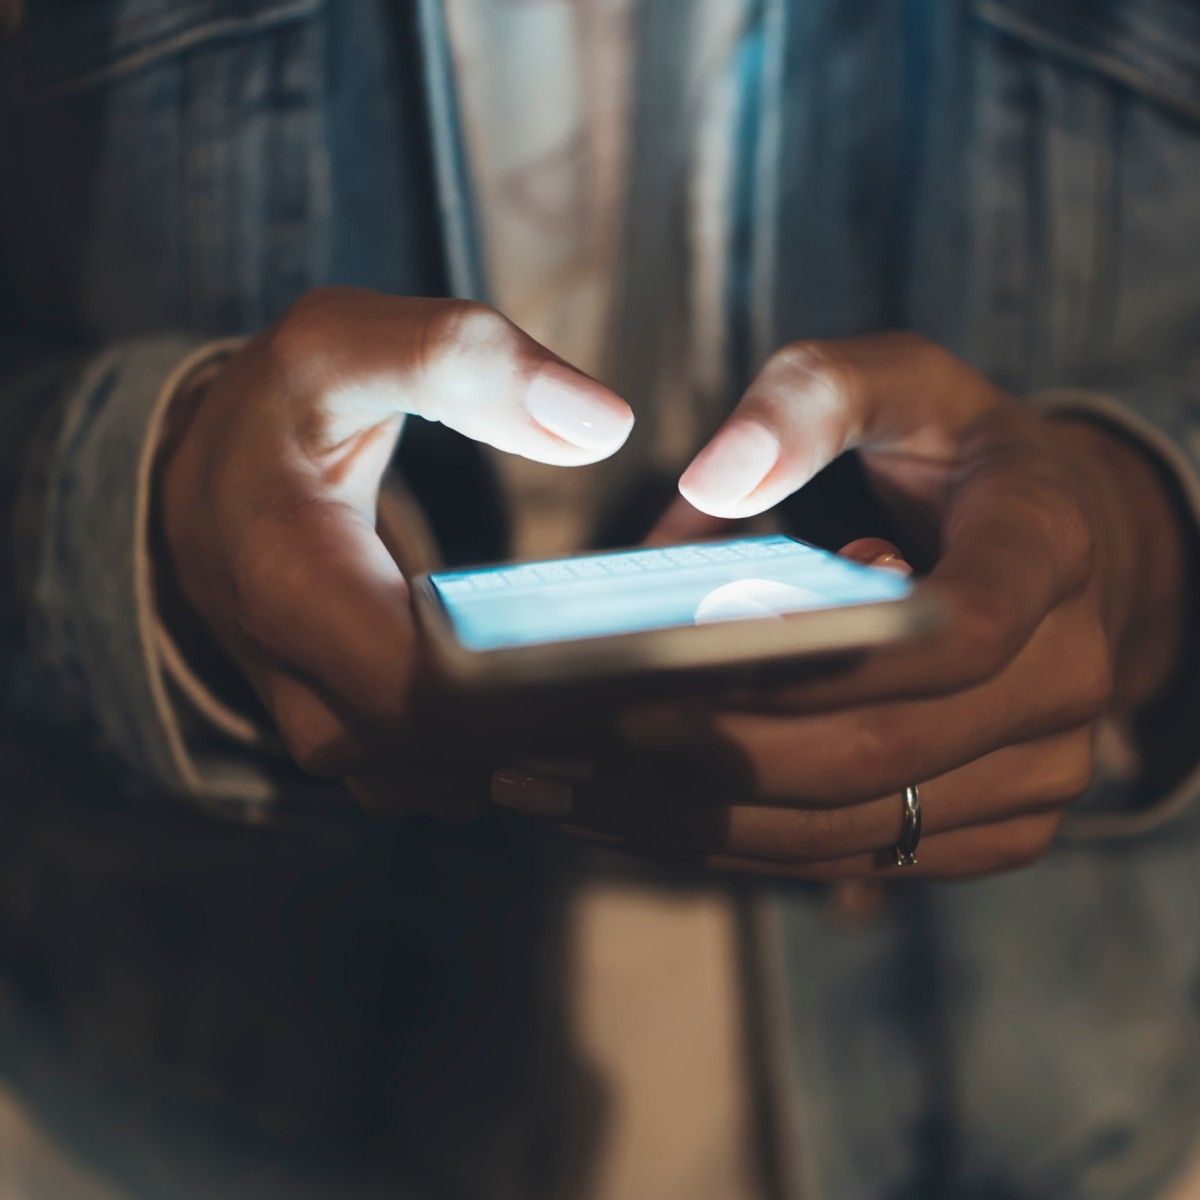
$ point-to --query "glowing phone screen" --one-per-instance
(599, 595)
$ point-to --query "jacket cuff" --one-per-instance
(224, 751)
(218, 752)
(94, 662)
(1115, 810)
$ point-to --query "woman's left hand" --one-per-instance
(1058, 564)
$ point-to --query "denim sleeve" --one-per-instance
(1164, 420)
(82, 662)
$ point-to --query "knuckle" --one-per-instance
(467, 327)
(319, 300)
(1068, 772)
(980, 639)
(304, 330)
(816, 365)
(1095, 675)
(462, 342)
(806, 837)
(930, 355)
(314, 755)
(1068, 528)
(917, 343)
(876, 754)
(1078, 538)
(798, 356)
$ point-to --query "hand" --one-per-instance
(268, 493)
(1058, 566)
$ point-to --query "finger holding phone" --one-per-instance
(1058, 563)
(268, 496)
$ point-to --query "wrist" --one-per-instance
(171, 546)
(1143, 543)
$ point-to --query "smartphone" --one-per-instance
(708, 606)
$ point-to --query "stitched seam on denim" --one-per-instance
(1125, 63)
(129, 60)
(63, 627)
(81, 43)
(87, 38)
(56, 572)
(1159, 40)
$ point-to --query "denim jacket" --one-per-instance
(1017, 179)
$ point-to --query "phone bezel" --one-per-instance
(814, 633)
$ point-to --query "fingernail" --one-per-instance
(536, 795)
(731, 466)
(577, 410)
(892, 562)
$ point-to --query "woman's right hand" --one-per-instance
(269, 486)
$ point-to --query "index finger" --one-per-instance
(460, 363)
(815, 400)
(1013, 543)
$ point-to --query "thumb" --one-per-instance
(813, 401)
(452, 361)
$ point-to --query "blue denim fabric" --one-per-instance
(1020, 182)
(1017, 179)
(194, 1005)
